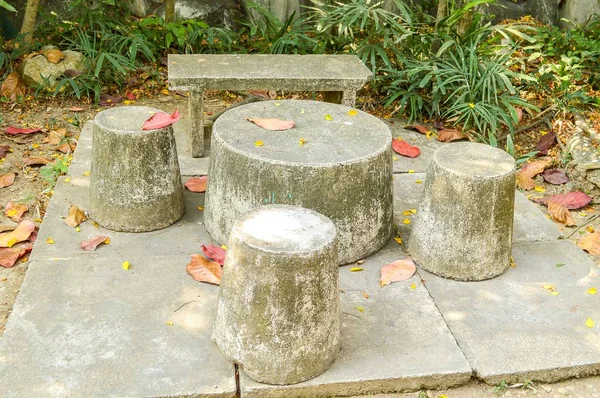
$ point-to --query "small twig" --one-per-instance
(577, 228)
(184, 304)
(356, 316)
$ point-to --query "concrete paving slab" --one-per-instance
(512, 329)
(530, 224)
(184, 237)
(394, 340)
(188, 165)
(420, 164)
(88, 328)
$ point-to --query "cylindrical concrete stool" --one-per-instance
(135, 185)
(463, 226)
(336, 161)
(278, 310)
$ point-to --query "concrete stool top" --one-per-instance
(344, 138)
(485, 161)
(285, 229)
(125, 119)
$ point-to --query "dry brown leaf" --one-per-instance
(204, 270)
(54, 56)
(76, 216)
(56, 136)
(21, 233)
(6, 180)
(419, 127)
(64, 148)
(526, 174)
(13, 86)
(91, 244)
(590, 243)
(15, 211)
(9, 256)
(397, 271)
(449, 135)
(36, 161)
(560, 214)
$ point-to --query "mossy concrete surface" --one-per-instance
(279, 307)
(463, 227)
(135, 183)
(341, 169)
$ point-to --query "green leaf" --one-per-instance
(7, 6)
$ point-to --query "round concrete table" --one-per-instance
(336, 161)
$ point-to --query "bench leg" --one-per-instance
(334, 97)
(196, 123)
(349, 98)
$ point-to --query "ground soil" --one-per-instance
(33, 190)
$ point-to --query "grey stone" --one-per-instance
(135, 182)
(394, 340)
(279, 307)
(420, 164)
(529, 224)
(511, 328)
(545, 11)
(199, 72)
(38, 70)
(89, 328)
(463, 227)
(343, 170)
(223, 13)
(579, 11)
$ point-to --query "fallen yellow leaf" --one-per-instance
(302, 141)
(539, 188)
(106, 241)
(125, 265)
(413, 286)
(356, 269)
(352, 112)
(589, 323)
(77, 229)
(259, 143)
(360, 309)
(592, 291)
(411, 171)
(418, 181)
(68, 179)
(200, 208)
(328, 117)
(95, 224)
(406, 221)
(406, 212)
(413, 211)
(50, 241)
(398, 240)
(87, 173)
(169, 323)
(224, 247)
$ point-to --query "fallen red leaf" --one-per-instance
(160, 120)
(272, 124)
(530, 170)
(555, 177)
(91, 244)
(19, 130)
(215, 253)
(130, 96)
(10, 255)
(6, 180)
(15, 211)
(397, 271)
(36, 160)
(419, 127)
(405, 149)
(76, 216)
(4, 149)
(560, 213)
(196, 184)
(571, 200)
(546, 142)
(590, 243)
(21, 233)
(449, 135)
(204, 270)
(76, 109)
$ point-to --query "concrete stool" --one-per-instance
(135, 184)
(463, 226)
(335, 163)
(278, 312)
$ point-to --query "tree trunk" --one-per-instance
(442, 11)
(169, 10)
(28, 26)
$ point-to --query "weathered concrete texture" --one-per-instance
(529, 224)
(39, 71)
(184, 237)
(89, 328)
(394, 340)
(463, 227)
(266, 71)
(420, 164)
(279, 307)
(188, 165)
(343, 170)
(135, 182)
(511, 328)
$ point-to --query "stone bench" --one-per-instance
(333, 162)
(279, 308)
(198, 72)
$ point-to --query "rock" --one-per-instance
(38, 70)
(135, 184)
(278, 312)
(578, 11)
(545, 11)
(545, 388)
(213, 12)
(464, 223)
(562, 391)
